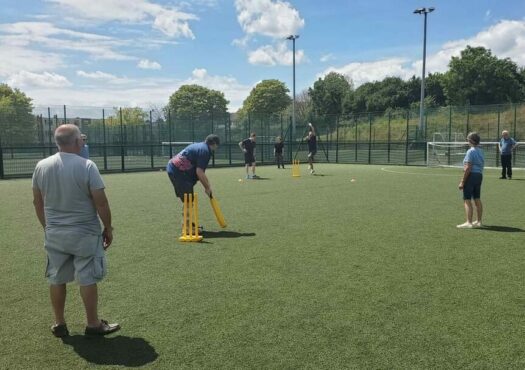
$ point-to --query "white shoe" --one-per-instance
(312, 172)
(477, 224)
(466, 225)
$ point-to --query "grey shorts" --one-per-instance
(73, 256)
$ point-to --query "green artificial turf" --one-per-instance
(315, 272)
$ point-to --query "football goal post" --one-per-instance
(451, 154)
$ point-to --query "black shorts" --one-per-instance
(249, 158)
(182, 183)
(472, 188)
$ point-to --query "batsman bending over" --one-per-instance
(189, 166)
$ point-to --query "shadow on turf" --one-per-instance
(224, 234)
(504, 229)
(120, 350)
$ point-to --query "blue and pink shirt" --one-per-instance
(190, 158)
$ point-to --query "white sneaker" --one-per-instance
(466, 225)
(477, 224)
(312, 172)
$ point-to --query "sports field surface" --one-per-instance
(315, 272)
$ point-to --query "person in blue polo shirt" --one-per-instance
(471, 182)
(506, 145)
(189, 166)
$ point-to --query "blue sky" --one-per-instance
(138, 52)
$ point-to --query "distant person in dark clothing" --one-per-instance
(84, 152)
(278, 152)
(506, 145)
(311, 139)
(248, 147)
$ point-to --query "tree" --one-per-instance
(130, 116)
(17, 123)
(391, 92)
(478, 77)
(435, 88)
(268, 96)
(195, 99)
(329, 92)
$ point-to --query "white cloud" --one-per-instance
(104, 77)
(199, 73)
(327, 57)
(361, 73)
(272, 55)
(141, 92)
(15, 58)
(506, 39)
(168, 20)
(488, 14)
(276, 19)
(148, 64)
(271, 18)
(29, 79)
(234, 91)
(43, 34)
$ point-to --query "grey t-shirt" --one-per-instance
(65, 181)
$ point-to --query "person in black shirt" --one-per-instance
(311, 139)
(278, 152)
(248, 147)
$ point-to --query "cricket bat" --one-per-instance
(217, 210)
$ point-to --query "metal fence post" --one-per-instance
(337, 139)
(356, 138)
(499, 128)
(122, 164)
(230, 138)
(1, 160)
(169, 133)
(105, 140)
(468, 120)
(406, 140)
(388, 136)
(49, 129)
(449, 131)
(369, 138)
(65, 119)
(151, 138)
(42, 135)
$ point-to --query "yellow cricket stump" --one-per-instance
(296, 170)
(190, 219)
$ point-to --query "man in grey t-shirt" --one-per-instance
(69, 198)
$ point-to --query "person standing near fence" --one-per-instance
(278, 152)
(311, 139)
(248, 148)
(506, 145)
(84, 152)
(68, 194)
(471, 182)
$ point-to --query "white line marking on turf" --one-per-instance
(416, 173)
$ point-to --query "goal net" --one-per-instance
(451, 154)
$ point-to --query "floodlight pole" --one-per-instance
(423, 11)
(293, 38)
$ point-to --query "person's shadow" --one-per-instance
(119, 350)
(224, 234)
(504, 229)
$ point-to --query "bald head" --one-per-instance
(67, 137)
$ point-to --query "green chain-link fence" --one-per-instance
(120, 143)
